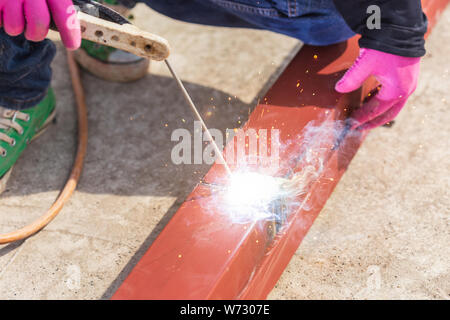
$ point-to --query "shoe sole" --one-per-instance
(45, 126)
(115, 72)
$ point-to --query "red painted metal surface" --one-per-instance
(200, 254)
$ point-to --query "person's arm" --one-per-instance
(390, 51)
(402, 29)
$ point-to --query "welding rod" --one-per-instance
(197, 114)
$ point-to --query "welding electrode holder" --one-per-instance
(103, 25)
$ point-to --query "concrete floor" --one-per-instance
(383, 234)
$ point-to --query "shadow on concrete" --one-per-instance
(130, 127)
(10, 247)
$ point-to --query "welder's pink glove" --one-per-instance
(33, 18)
(398, 78)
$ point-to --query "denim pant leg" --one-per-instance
(25, 72)
(203, 12)
(315, 22)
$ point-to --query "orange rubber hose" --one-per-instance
(72, 182)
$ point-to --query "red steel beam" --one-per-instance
(200, 254)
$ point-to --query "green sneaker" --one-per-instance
(110, 63)
(18, 129)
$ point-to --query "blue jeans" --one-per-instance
(25, 71)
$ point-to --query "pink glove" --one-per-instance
(398, 77)
(35, 15)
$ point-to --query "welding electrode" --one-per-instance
(197, 114)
